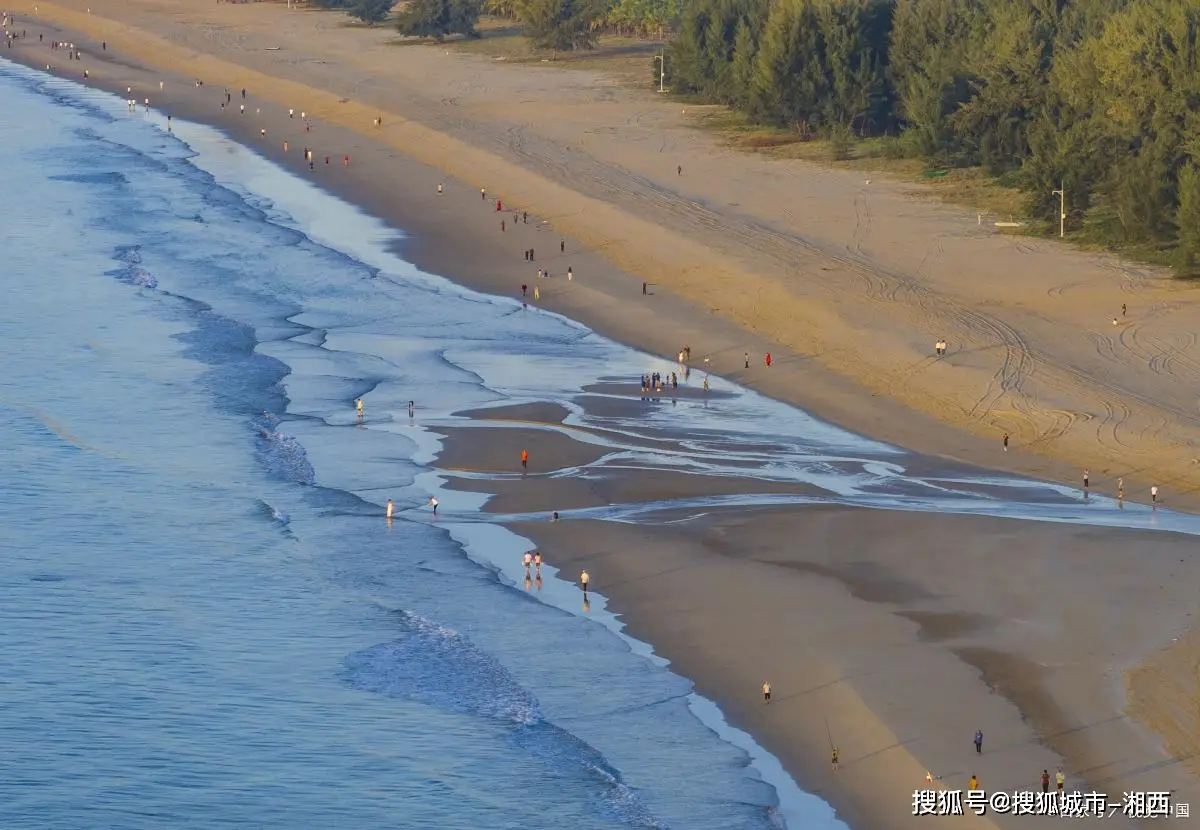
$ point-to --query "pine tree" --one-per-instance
(1187, 220)
(438, 18)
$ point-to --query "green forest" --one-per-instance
(1098, 98)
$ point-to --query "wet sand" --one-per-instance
(903, 634)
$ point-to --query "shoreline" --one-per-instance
(422, 245)
(607, 299)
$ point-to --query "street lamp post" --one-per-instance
(1061, 193)
(662, 71)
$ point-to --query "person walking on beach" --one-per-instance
(537, 293)
(433, 502)
(390, 507)
(1120, 489)
(766, 691)
(291, 113)
(358, 408)
(528, 560)
(978, 741)
(562, 246)
(1060, 781)
(410, 409)
(1005, 440)
(1154, 494)
(483, 193)
(1124, 309)
(439, 188)
(570, 274)
(767, 359)
(746, 358)
(584, 580)
(1086, 482)
(537, 559)
(973, 784)
(524, 288)
(1045, 781)
(524, 460)
(833, 758)
(503, 226)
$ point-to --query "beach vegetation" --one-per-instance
(1100, 98)
(439, 18)
(371, 12)
(561, 25)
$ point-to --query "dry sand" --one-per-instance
(847, 284)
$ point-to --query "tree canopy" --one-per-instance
(1101, 97)
(438, 18)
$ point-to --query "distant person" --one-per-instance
(390, 507)
(562, 246)
(528, 562)
(1124, 309)
(1120, 489)
(503, 226)
(499, 206)
(1045, 781)
(1060, 781)
(243, 93)
(524, 459)
(766, 687)
(525, 217)
(1086, 481)
(439, 189)
(833, 759)
(537, 560)
(978, 741)
(358, 408)
(433, 502)
(679, 170)
(767, 359)
(570, 274)
(410, 409)
(1154, 494)
(291, 113)
(554, 518)
(524, 289)
(483, 193)
(1114, 321)
(745, 358)
(973, 784)
(584, 580)
(537, 293)
(1005, 442)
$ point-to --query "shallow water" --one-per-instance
(207, 622)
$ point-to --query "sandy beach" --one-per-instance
(895, 634)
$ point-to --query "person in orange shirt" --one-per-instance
(524, 459)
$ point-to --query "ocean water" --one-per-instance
(205, 620)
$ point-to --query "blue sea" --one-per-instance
(204, 619)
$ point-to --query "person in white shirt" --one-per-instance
(433, 502)
(1154, 494)
(390, 507)
(584, 579)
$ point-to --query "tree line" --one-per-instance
(1099, 98)
(554, 24)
